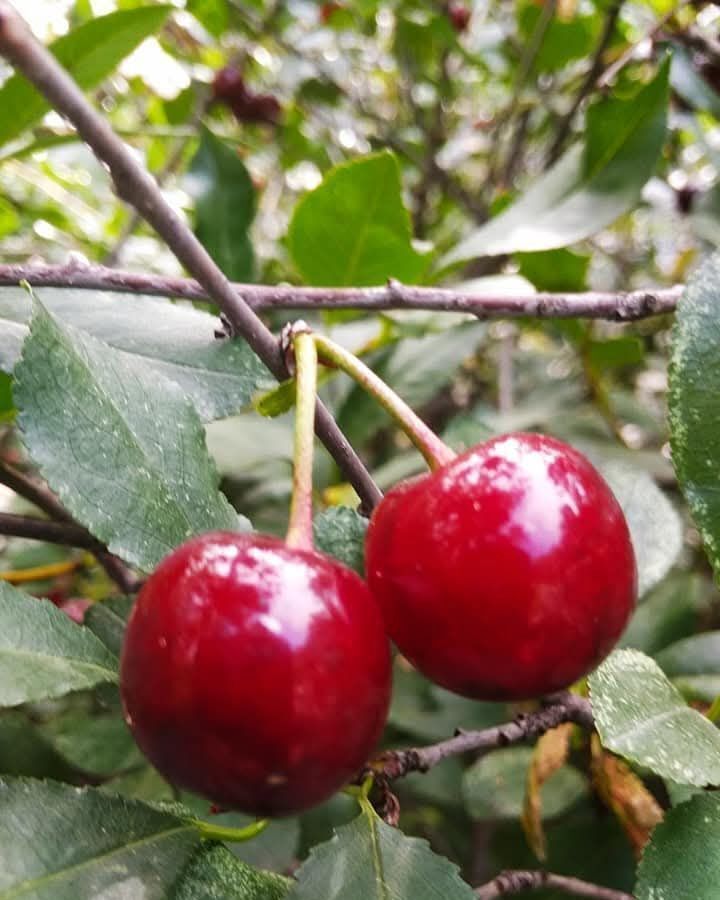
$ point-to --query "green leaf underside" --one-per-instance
(90, 53)
(641, 716)
(224, 206)
(215, 874)
(681, 861)
(354, 229)
(655, 526)
(43, 653)
(694, 402)
(108, 621)
(340, 532)
(122, 447)
(369, 860)
(63, 843)
(589, 187)
(177, 341)
(695, 655)
(494, 786)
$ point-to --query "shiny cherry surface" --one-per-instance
(255, 674)
(506, 574)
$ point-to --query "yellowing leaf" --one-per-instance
(625, 794)
(549, 755)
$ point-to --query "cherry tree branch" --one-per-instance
(515, 881)
(64, 526)
(556, 709)
(67, 533)
(138, 188)
(614, 306)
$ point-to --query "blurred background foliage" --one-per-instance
(475, 101)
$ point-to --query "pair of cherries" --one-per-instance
(259, 675)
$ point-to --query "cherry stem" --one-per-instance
(234, 835)
(436, 452)
(300, 527)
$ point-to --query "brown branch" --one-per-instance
(556, 709)
(588, 83)
(138, 188)
(42, 497)
(614, 306)
(67, 533)
(515, 881)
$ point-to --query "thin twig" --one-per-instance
(527, 61)
(41, 496)
(137, 187)
(67, 533)
(614, 306)
(588, 83)
(515, 881)
(556, 709)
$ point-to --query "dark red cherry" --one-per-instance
(229, 85)
(255, 674)
(506, 574)
(459, 15)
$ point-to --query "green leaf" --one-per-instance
(691, 86)
(108, 620)
(696, 655)
(681, 861)
(369, 860)
(63, 843)
(98, 744)
(555, 270)
(494, 786)
(177, 341)
(213, 14)
(122, 447)
(224, 206)
(215, 874)
(655, 526)
(89, 53)
(641, 716)
(340, 532)
(564, 41)
(668, 612)
(694, 402)
(353, 229)
(25, 751)
(43, 653)
(590, 186)
(614, 353)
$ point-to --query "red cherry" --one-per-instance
(506, 574)
(229, 84)
(255, 674)
(459, 16)
(257, 108)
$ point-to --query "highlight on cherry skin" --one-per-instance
(507, 573)
(255, 674)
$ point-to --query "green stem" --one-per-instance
(300, 528)
(234, 835)
(435, 451)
